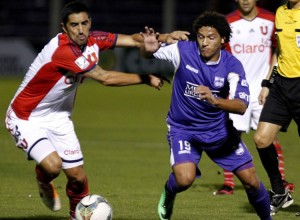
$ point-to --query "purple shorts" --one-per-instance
(229, 153)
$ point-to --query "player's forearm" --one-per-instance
(115, 78)
(273, 63)
(236, 106)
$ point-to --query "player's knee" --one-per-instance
(261, 140)
(185, 180)
(76, 174)
(252, 185)
(52, 165)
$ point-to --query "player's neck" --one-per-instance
(249, 15)
(293, 5)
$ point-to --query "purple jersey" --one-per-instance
(225, 78)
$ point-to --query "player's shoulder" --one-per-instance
(229, 60)
(233, 16)
(186, 44)
(265, 14)
(226, 55)
(66, 48)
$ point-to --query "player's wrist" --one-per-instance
(266, 83)
(145, 79)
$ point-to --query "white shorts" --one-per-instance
(248, 120)
(40, 138)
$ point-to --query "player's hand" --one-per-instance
(151, 43)
(264, 92)
(155, 81)
(164, 78)
(176, 36)
(205, 94)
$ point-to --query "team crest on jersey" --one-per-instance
(240, 150)
(244, 83)
(82, 62)
(219, 81)
(264, 30)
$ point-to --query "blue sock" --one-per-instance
(172, 187)
(260, 201)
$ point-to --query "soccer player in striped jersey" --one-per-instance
(39, 115)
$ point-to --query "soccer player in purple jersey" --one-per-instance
(209, 83)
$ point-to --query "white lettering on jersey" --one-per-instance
(191, 68)
(190, 91)
(89, 55)
(244, 96)
(82, 62)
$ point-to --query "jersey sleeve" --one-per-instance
(104, 40)
(69, 59)
(238, 84)
(169, 53)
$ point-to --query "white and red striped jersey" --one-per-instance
(49, 87)
(252, 42)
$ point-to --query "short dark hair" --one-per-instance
(73, 7)
(215, 20)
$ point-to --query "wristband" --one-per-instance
(145, 78)
(266, 83)
(273, 75)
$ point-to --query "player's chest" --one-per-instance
(255, 32)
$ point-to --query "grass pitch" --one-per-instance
(122, 133)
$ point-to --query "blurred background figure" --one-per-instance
(24, 35)
(253, 43)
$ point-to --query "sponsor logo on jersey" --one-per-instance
(244, 96)
(190, 91)
(72, 152)
(82, 62)
(184, 152)
(246, 48)
(192, 68)
(88, 56)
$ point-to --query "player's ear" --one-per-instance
(222, 40)
(63, 27)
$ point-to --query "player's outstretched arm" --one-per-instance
(116, 78)
(136, 40)
(150, 43)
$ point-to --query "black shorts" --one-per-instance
(283, 103)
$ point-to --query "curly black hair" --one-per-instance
(215, 20)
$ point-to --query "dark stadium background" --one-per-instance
(31, 19)
(37, 21)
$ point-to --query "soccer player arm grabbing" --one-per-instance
(116, 78)
(136, 40)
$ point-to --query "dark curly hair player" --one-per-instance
(208, 84)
